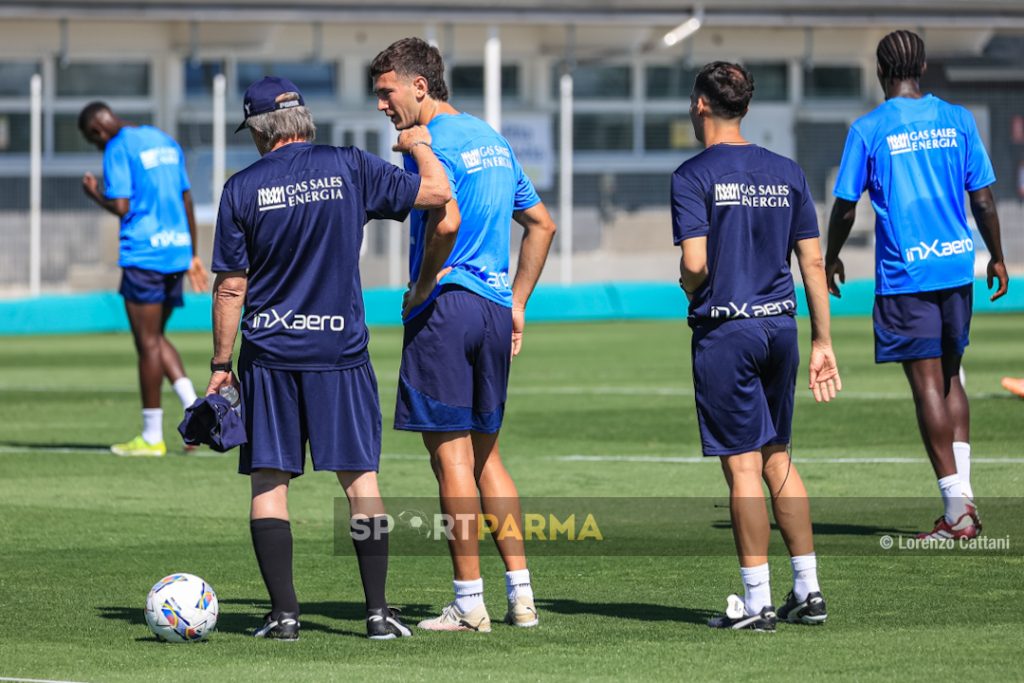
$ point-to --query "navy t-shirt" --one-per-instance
(752, 205)
(294, 220)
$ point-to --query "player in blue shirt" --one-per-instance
(289, 229)
(916, 155)
(738, 213)
(464, 321)
(147, 188)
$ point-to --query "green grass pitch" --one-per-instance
(83, 534)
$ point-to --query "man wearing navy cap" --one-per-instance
(289, 231)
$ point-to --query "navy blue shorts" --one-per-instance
(336, 411)
(141, 286)
(744, 376)
(923, 324)
(455, 362)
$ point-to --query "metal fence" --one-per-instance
(620, 219)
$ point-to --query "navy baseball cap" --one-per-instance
(211, 421)
(261, 97)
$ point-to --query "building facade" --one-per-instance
(813, 64)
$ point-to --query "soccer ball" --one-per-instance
(181, 608)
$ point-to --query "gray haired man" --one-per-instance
(289, 230)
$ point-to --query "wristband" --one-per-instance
(220, 367)
(421, 142)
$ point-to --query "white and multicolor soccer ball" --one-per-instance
(181, 608)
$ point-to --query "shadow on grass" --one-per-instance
(244, 616)
(628, 610)
(836, 529)
(51, 446)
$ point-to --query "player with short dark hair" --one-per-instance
(147, 188)
(916, 155)
(738, 213)
(289, 229)
(464, 321)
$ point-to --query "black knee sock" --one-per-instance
(272, 541)
(370, 538)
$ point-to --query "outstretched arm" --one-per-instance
(824, 373)
(434, 189)
(539, 231)
(840, 223)
(983, 206)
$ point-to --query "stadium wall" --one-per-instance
(104, 311)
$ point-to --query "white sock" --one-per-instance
(468, 594)
(805, 575)
(962, 455)
(518, 583)
(953, 497)
(153, 425)
(757, 593)
(185, 391)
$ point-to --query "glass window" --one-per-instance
(468, 80)
(14, 133)
(832, 83)
(67, 137)
(15, 77)
(669, 82)
(604, 82)
(369, 83)
(193, 134)
(771, 82)
(314, 79)
(602, 132)
(97, 80)
(199, 77)
(666, 132)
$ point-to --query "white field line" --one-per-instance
(201, 453)
(659, 459)
(33, 680)
(669, 459)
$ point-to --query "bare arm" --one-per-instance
(983, 207)
(90, 185)
(824, 372)
(197, 274)
(539, 230)
(228, 298)
(434, 189)
(439, 237)
(840, 223)
(693, 264)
